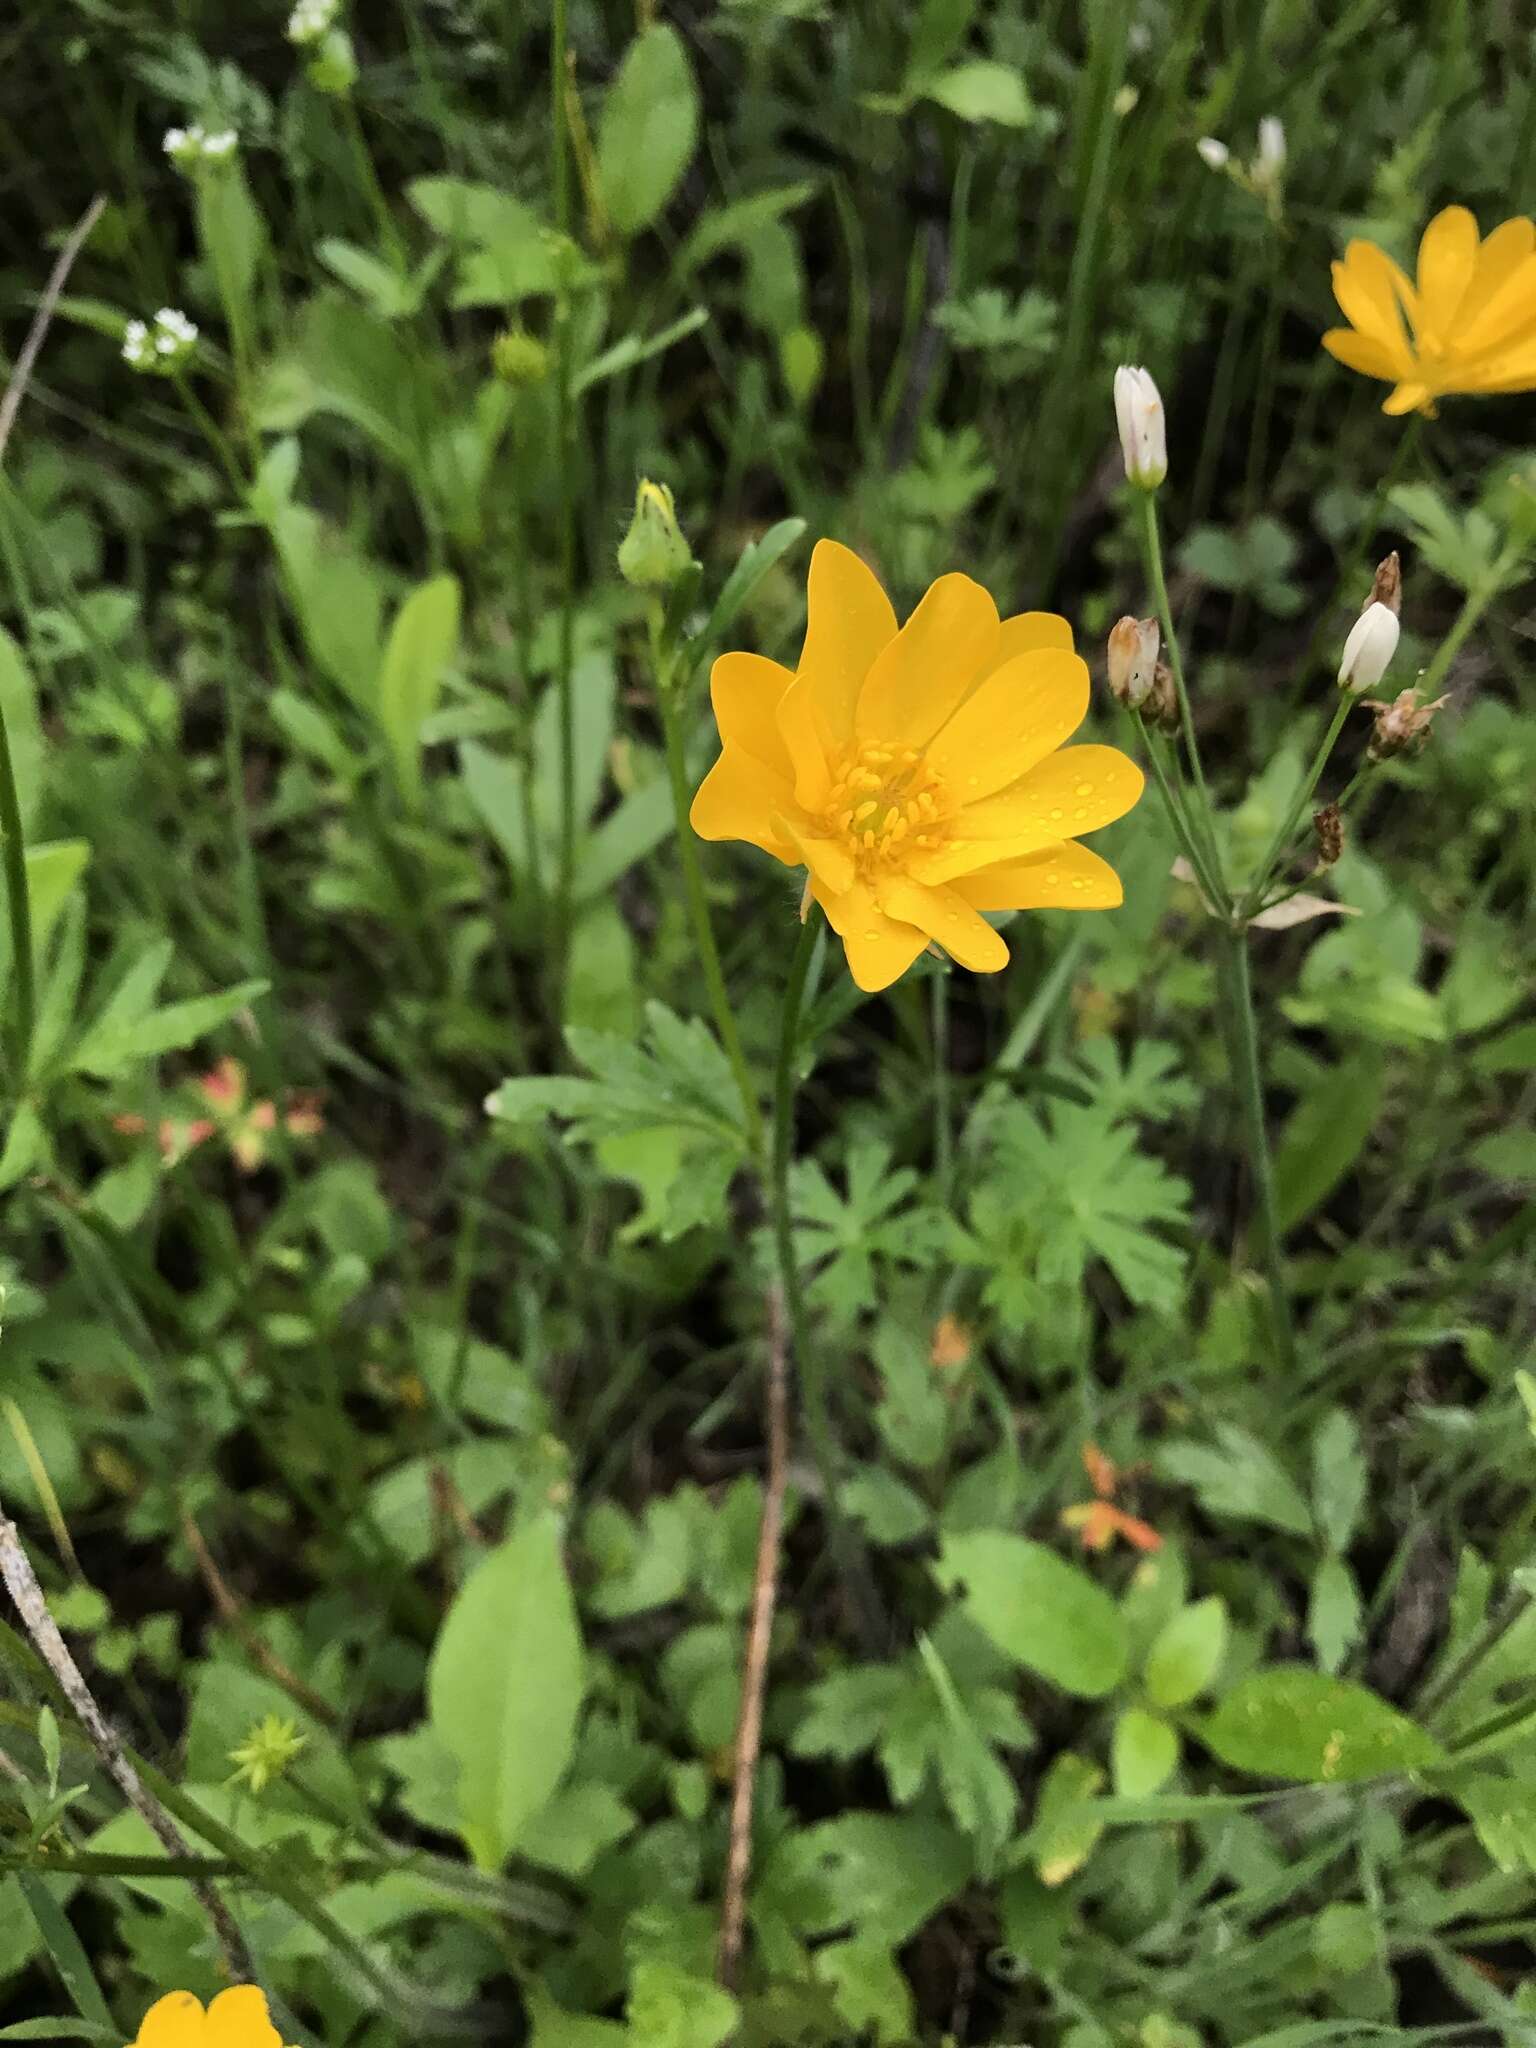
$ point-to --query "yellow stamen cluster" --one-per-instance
(883, 798)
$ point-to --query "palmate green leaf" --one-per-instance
(1040, 1610)
(648, 129)
(504, 1687)
(1292, 1722)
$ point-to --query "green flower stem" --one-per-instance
(698, 903)
(1152, 554)
(1177, 816)
(1245, 1042)
(565, 516)
(810, 1363)
(23, 1016)
(1299, 802)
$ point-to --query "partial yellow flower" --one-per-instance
(918, 774)
(236, 2019)
(1470, 318)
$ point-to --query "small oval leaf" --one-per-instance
(1040, 1610)
(1291, 1722)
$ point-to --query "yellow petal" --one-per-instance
(807, 741)
(1360, 352)
(1503, 289)
(239, 2019)
(879, 949)
(829, 860)
(849, 620)
(1029, 632)
(931, 665)
(1409, 396)
(960, 857)
(175, 2021)
(1022, 712)
(946, 916)
(1511, 369)
(1075, 790)
(739, 799)
(1370, 289)
(1065, 877)
(1447, 259)
(745, 690)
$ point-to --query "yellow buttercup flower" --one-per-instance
(1471, 316)
(918, 774)
(236, 2019)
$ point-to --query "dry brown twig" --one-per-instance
(31, 1604)
(754, 1671)
(53, 291)
(233, 1613)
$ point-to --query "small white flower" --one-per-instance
(1270, 161)
(219, 144)
(1143, 427)
(160, 346)
(311, 20)
(1369, 649)
(1214, 153)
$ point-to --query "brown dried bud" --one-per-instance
(1388, 586)
(1132, 660)
(1162, 706)
(1328, 824)
(1402, 726)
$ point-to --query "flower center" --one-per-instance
(885, 802)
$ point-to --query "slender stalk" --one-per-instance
(943, 1117)
(698, 910)
(1245, 1039)
(1299, 802)
(1192, 851)
(559, 67)
(810, 1364)
(1152, 552)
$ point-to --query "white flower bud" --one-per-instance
(1369, 649)
(1143, 427)
(1270, 161)
(1215, 154)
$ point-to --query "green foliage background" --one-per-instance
(438, 1439)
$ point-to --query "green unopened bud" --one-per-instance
(519, 357)
(333, 66)
(654, 554)
(266, 1752)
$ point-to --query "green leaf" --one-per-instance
(504, 1687)
(112, 1044)
(869, 1990)
(18, 706)
(1291, 1722)
(1043, 1612)
(635, 348)
(1144, 1753)
(1338, 1477)
(1333, 1612)
(1326, 1134)
(1503, 1811)
(52, 872)
(64, 1945)
(756, 560)
(1187, 1653)
(670, 2007)
(422, 642)
(648, 129)
(983, 91)
(1066, 1829)
(1241, 1481)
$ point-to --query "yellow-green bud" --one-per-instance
(519, 357)
(653, 554)
(332, 67)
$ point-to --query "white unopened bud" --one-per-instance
(1143, 427)
(1369, 649)
(1270, 161)
(1215, 154)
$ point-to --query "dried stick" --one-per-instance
(754, 1672)
(233, 1613)
(53, 291)
(22, 1584)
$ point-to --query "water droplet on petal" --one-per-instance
(1078, 882)
(1058, 812)
(1085, 789)
(871, 936)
